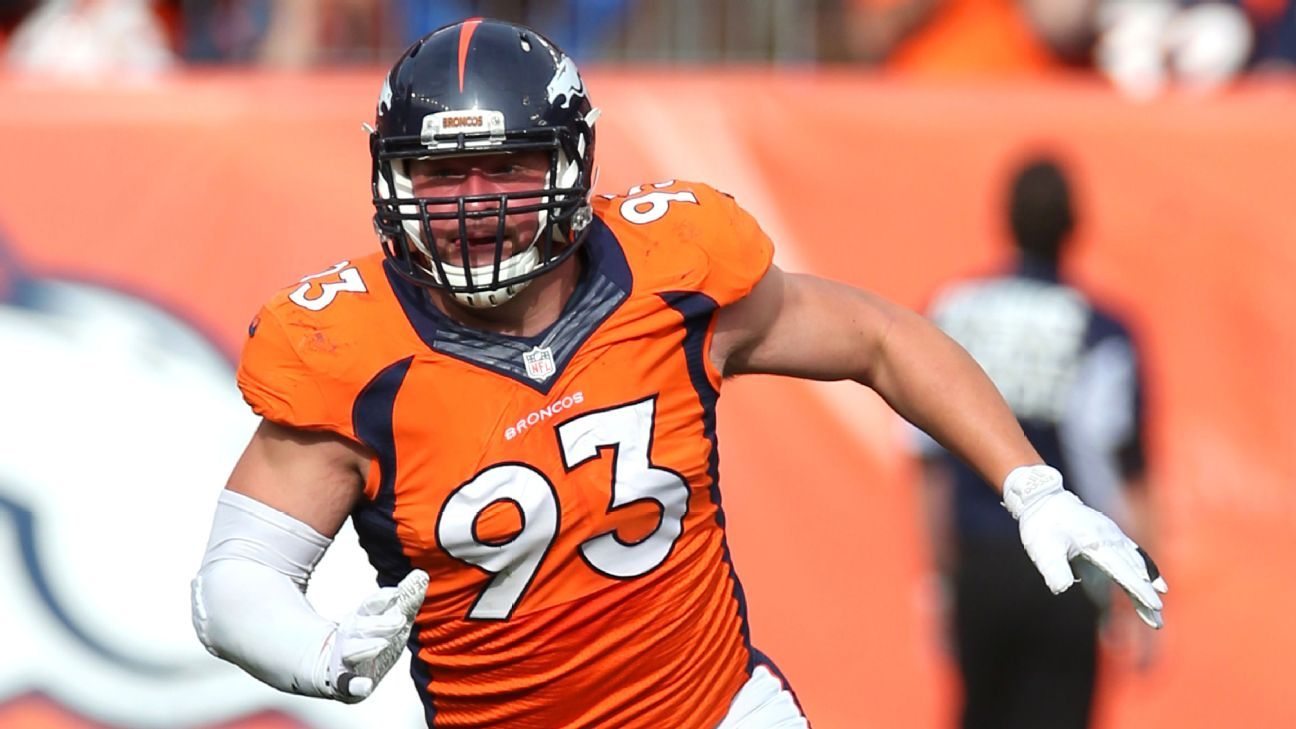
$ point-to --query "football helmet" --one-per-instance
(482, 86)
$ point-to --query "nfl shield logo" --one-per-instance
(539, 363)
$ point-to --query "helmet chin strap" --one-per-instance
(516, 265)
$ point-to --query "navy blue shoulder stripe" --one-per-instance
(697, 309)
(375, 521)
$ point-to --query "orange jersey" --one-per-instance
(560, 490)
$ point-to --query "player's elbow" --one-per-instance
(275, 637)
(220, 609)
(216, 600)
(199, 614)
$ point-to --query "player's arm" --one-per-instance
(313, 476)
(286, 498)
(808, 327)
(803, 326)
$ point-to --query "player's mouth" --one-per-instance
(481, 250)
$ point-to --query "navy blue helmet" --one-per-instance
(482, 86)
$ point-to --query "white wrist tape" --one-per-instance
(249, 601)
(1026, 486)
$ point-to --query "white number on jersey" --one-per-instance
(515, 562)
(628, 430)
(348, 280)
(646, 207)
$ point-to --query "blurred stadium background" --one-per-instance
(168, 165)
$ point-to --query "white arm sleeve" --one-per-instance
(249, 597)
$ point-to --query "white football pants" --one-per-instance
(764, 703)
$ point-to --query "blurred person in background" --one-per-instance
(582, 27)
(12, 13)
(304, 33)
(1274, 22)
(221, 31)
(1142, 46)
(514, 402)
(1147, 47)
(1072, 375)
(90, 39)
(284, 34)
(962, 37)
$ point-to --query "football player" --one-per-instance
(515, 402)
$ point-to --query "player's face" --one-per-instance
(483, 174)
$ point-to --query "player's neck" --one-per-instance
(530, 312)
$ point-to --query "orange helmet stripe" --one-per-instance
(465, 37)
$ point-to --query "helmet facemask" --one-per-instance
(405, 220)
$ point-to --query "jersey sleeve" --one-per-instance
(738, 251)
(278, 383)
(689, 236)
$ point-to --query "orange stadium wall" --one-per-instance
(139, 223)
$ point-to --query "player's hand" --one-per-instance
(1056, 527)
(367, 643)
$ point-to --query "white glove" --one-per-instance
(1057, 527)
(367, 643)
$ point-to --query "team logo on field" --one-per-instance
(539, 363)
(123, 616)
